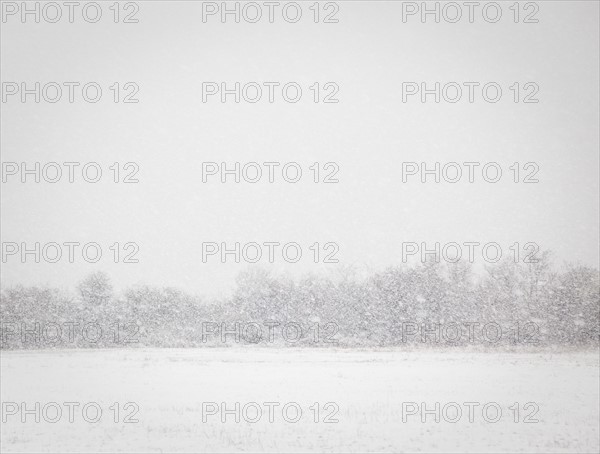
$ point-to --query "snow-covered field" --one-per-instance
(363, 390)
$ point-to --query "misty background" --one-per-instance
(369, 133)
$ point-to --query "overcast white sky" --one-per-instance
(369, 133)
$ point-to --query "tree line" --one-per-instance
(507, 305)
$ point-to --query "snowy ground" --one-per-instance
(369, 387)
